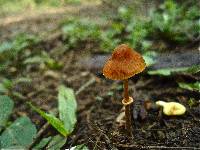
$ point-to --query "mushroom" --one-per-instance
(124, 63)
(172, 108)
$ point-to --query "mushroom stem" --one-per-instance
(127, 102)
(126, 96)
(128, 115)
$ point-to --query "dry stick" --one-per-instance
(151, 147)
(84, 86)
(91, 141)
(46, 125)
(96, 143)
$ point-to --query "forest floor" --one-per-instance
(99, 100)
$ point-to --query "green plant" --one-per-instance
(126, 28)
(192, 102)
(10, 51)
(77, 31)
(21, 133)
(18, 134)
(43, 59)
(64, 125)
(169, 71)
(67, 107)
(175, 23)
(137, 35)
(190, 86)
(11, 86)
(108, 40)
(12, 48)
(171, 22)
(150, 57)
(135, 31)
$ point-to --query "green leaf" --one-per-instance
(4, 65)
(7, 83)
(81, 147)
(38, 59)
(18, 95)
(55, 122)
(57, 142)
(76, 31)
(5, 46)
(22, 80)
(52, 64)
(3, 89)
(44, 58)
(43, 143)
(192, 102)
(34, 60)
(190, 86)
(20, 133)
(24, 40)
(6, 107)
(164, 72)
(14, 148)
(169, 71)
(149, 57)
(67, 107)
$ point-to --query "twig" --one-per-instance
(73, 78)
(152, 147)
(90, 140)
(84, 86)
(46, 125)
(96, 143)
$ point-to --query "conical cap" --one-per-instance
(124, 63)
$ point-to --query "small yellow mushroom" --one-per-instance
(171, 108)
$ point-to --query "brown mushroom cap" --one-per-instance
(124, 63)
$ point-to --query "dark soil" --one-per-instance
(99, 104)
(104, 133)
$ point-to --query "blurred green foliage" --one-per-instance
(43, 58)
(171, 22)
(13, 50)
(19, 49)
(175, 23)
(190, 86)
(169, 71)
(78, 31)
(67, 107)
(21, 129)
(192, 102)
